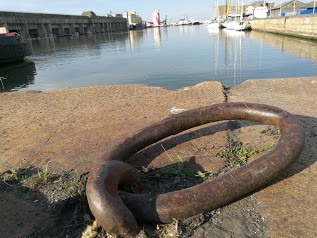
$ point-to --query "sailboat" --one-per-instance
(231, 19)
(231, 25)
(215, 24)
(238, 24)
(243, 25)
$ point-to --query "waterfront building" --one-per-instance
(113, 14)
(226, 11)
(289, 8)
(134, 20)
(41, 25)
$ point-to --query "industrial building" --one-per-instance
(40, 25)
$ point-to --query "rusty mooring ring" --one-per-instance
(114, 214)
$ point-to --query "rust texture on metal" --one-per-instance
(121, 214)
(104, 200)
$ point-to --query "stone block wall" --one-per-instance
(302, 26)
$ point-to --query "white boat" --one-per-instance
(239, 24)
(232, 20)
(194, 22)
(224, 24)
(243, 26)
(214, 25)
(232, 25)
(184, 21)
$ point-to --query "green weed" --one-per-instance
(199, 148)
(237, 155)
(15, 173)
(178, 171)
(44, 175)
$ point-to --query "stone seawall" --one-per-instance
(300, 26)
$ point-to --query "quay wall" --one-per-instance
(40, 25)
(300, 26)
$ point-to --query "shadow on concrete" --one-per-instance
(147, 155)
(307, 158)
(27, 211)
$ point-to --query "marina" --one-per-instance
(171, 57)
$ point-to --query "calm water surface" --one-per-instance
(171, 57)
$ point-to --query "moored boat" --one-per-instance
(215, 24)
(13, 47)
(184, 21)
(243, 26)
(232, 25)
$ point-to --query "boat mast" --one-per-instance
(217, 9)
(241, 17)
(236, 9)
(228, 8)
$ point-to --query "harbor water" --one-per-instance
(171, 57)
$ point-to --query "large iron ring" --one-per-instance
(120, 215)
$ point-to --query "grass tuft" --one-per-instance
(237, 155)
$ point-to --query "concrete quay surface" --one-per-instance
(73, 128)
(289, 205)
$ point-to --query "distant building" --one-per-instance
(311, 5)
(134, 20)
(311, 8)
(89, 14)
(42, 25)
(113, 14)
(258, 9)
(248, 9)
(289, 8)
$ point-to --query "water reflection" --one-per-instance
(299, 47)
(157, 36)
(234, 54)
(136, 38)
(228, 56)
(17, 75)
(91, 42)
(214, 31)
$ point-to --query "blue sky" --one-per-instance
(174, 9)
